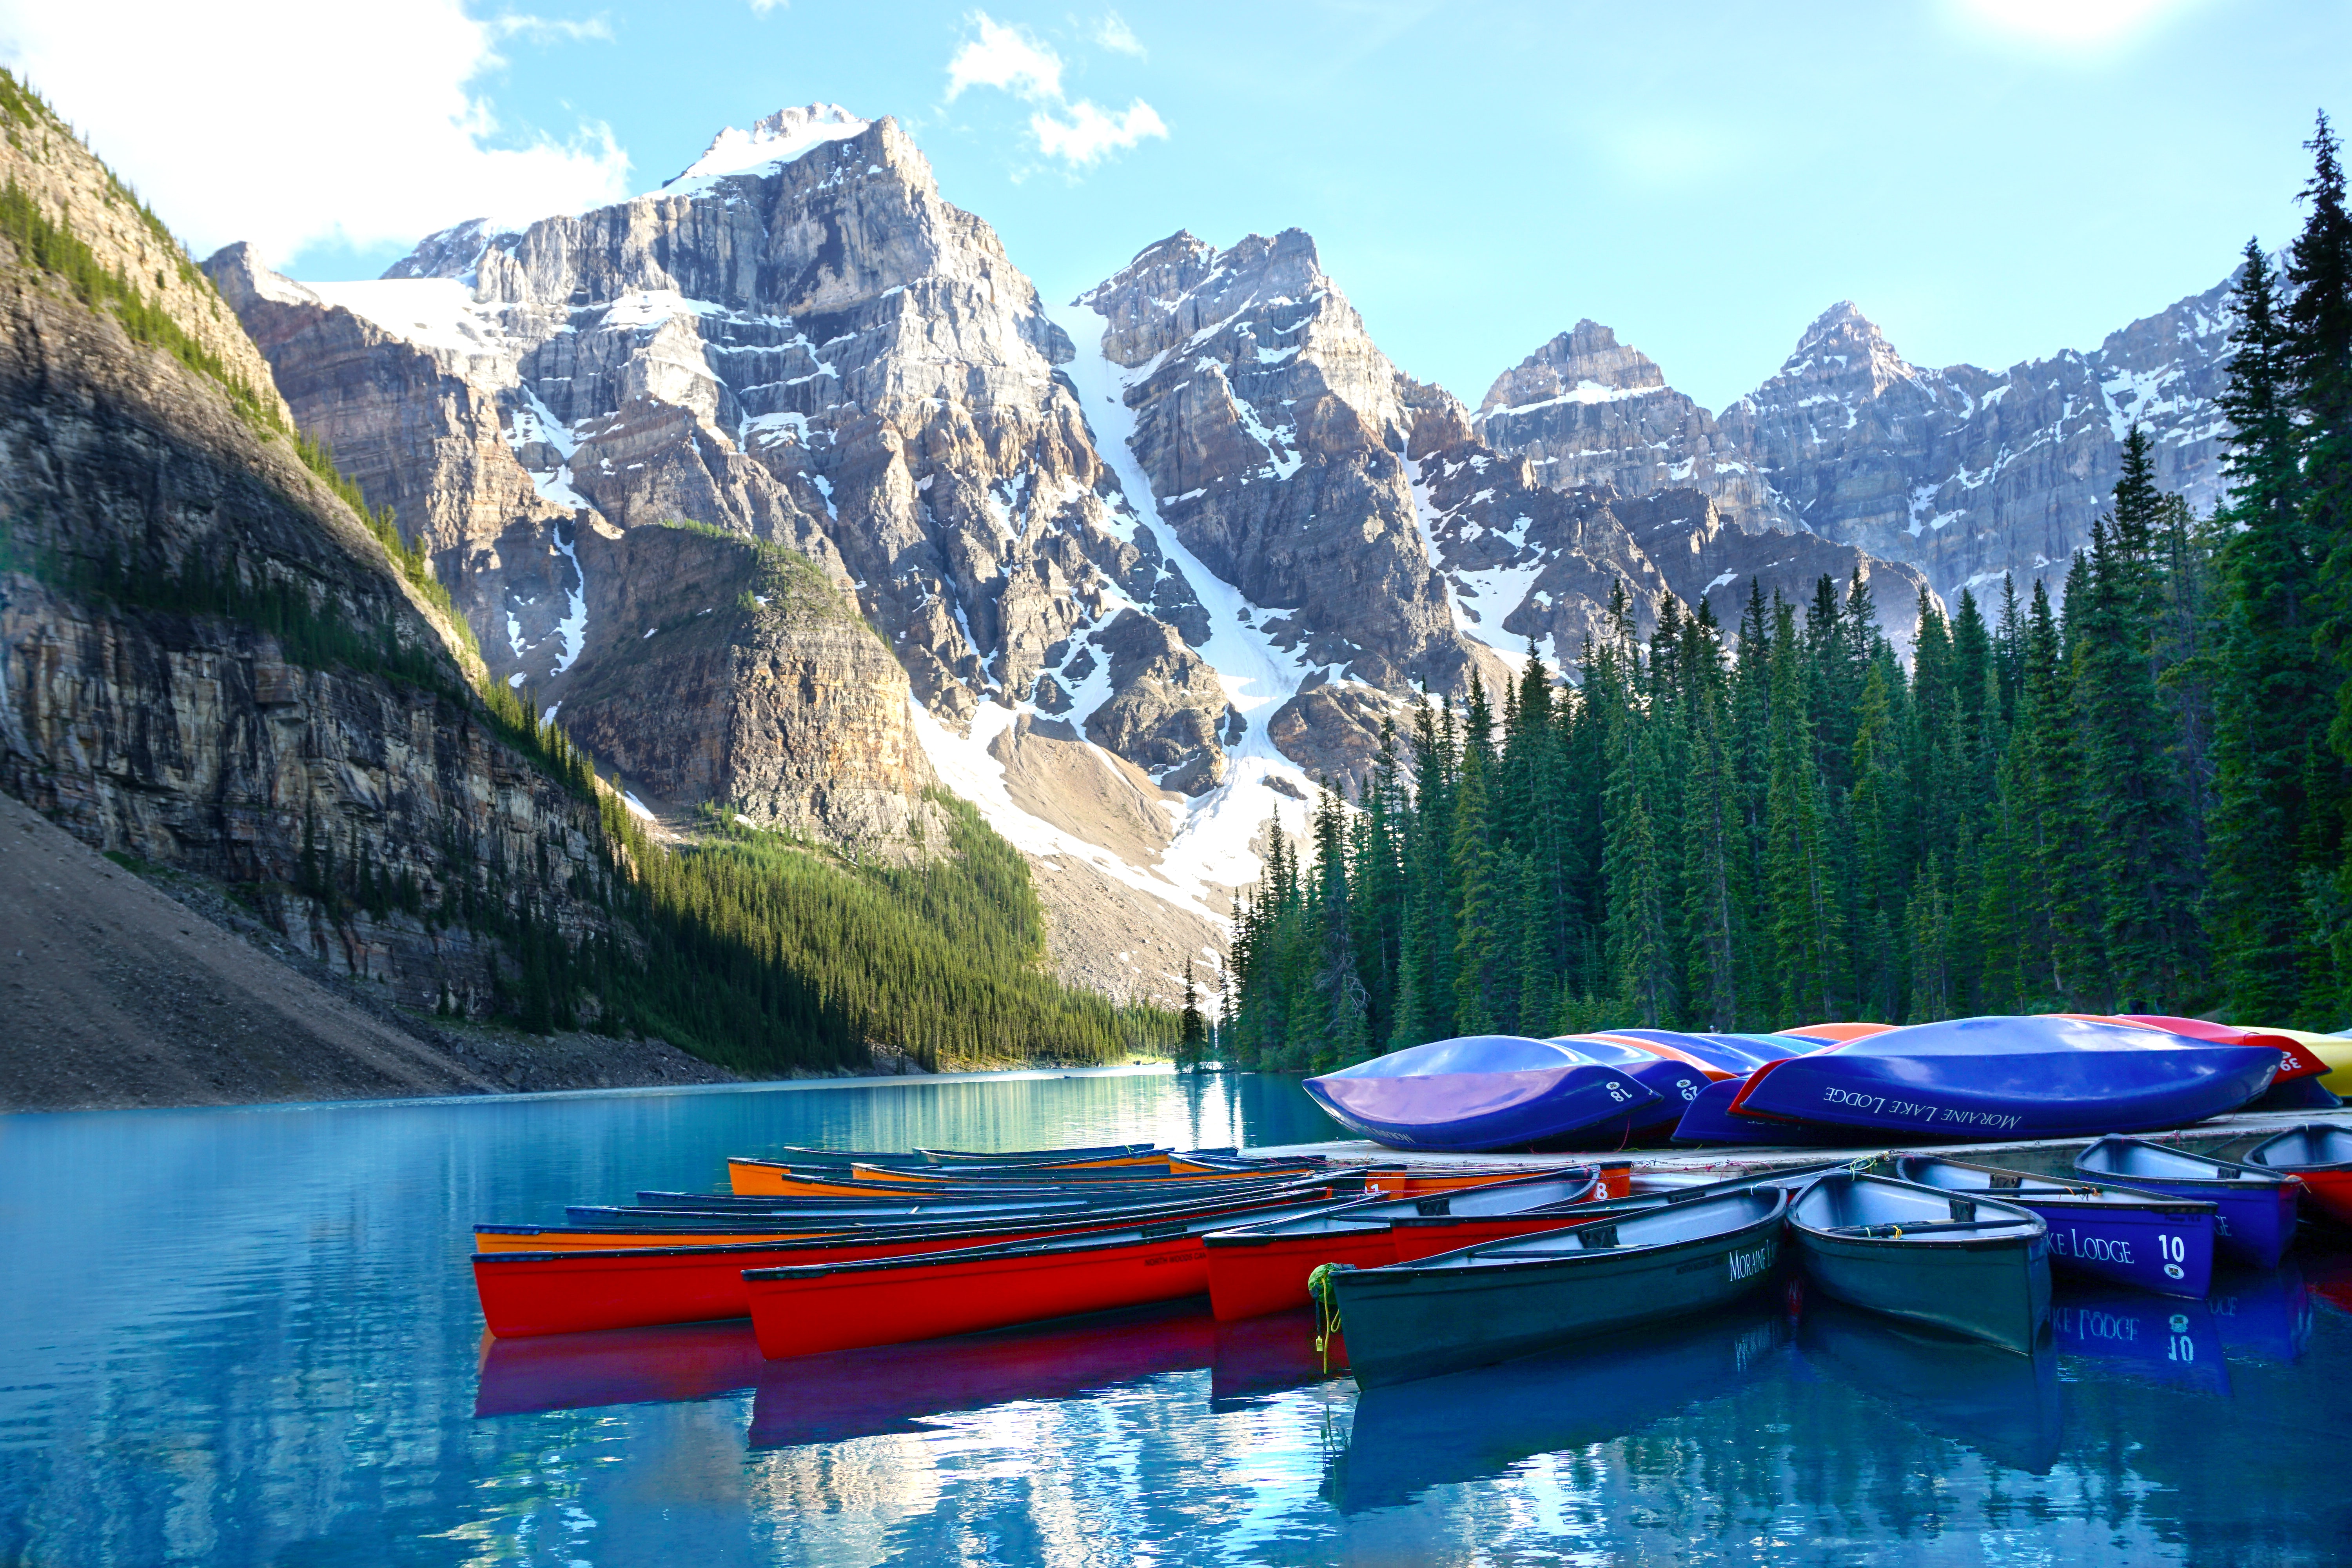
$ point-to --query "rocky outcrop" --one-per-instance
(1967, 475)
(775, 700)
(156, 516)
(1588, 412)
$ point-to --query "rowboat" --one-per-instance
(2253, 1208)
(1969, 1265)
(876, 1392)
(1480, 1092)
(549, 1291)
(1258, 1268)
(2149, 1239)
(1469, 1425)
(2005, 1406)
(815, 1306)
(2174, 1341)
(2009, 1077)
(2319, 1154)
(1505, 1298)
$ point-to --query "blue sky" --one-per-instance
(1988, 179)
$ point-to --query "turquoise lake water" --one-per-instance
(250, 1337)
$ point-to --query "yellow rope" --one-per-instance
(1327, 1310)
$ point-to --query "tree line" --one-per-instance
(2124, 791)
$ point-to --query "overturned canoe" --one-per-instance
(1259, 1269)
(2253, 1209)
(1505, 1298)
(2152, 1240)
(1675, 1076)
(2320, 1155)
(1967, 1265)
(1483, 1092)
(2011, 1077)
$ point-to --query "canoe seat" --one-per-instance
(1897, 1228)
(1438, 1205)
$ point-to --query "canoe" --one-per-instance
(1469, 1426)
(1969, 1079)
(1259, 1269)
(2297, 1094)
(550, 1291)
(796, 1154)
(2117, 1234)
(1482, 1092)
(674, 1229)
(1727, 1055)
(2319, 1154)
(2336, 1050)
(1708, 1119)
(1966, 1265)
(1505, 1298)
(1675, 1076)
(880, 1390)
(2253, 1209)
(1835, 1033)
(816, 1307)
(748, 1177)
(2297, 1059)
(1426, 1181)
(2174, 1341)
(2006, 1406)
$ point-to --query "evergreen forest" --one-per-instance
(2121, 790)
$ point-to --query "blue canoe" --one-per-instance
(2253, 1209)
(2153, 1240)
(1484, 1092)
(1977, 1078)
(1708, 1119)
(1676, 1084)
(1737, 1054)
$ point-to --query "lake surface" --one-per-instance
(250, 1337)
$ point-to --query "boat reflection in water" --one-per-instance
(618, 1366)
(2003, 1404)
(2263, 1314)
(1469, 1425)
(1265, 1355)
(845, 1395)
(2163, 1338)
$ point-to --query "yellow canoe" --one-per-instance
(2333, 1050)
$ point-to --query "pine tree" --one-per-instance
(1483, 953)
(1800, 878)
(1192, 1031)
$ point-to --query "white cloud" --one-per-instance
(1090, 132)
(318, 121)
(1011, 59)
(2070, 23)
(762, 7)
(1007, 58)
(1113, 34)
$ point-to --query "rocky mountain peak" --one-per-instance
(778, 139)
(1845, 345)
(1585, 364)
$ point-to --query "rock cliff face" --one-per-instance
(1157, 557)
(149, 489)
(1964, 473)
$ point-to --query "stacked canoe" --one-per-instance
(1831, 1085)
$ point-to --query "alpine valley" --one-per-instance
(783, 495)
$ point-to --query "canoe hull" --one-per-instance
(1252, 1277)
(1475, 1112)
(1997, 1290)
(2056, 1094)
(1412, 1325)
(2253, 1221)
(813, 1312)
(2168, 1252)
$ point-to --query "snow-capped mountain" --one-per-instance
(1964, 473)
(1138, 570)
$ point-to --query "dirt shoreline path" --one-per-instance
(114, 994)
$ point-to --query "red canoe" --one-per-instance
(2321, 1153)
(1258, 1268)
(549, 1292)
(814, 1307)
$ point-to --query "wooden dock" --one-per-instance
(2225, 1136)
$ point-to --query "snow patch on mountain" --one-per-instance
(787, 134)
